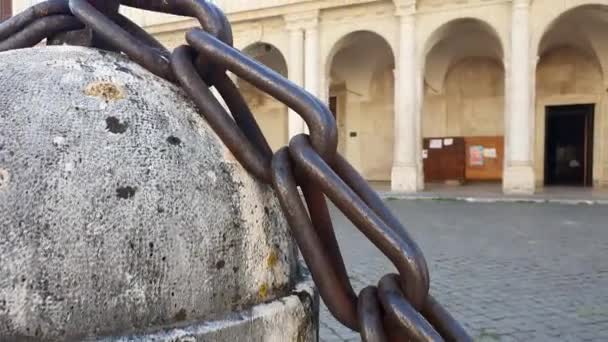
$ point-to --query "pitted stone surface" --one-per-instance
(119, 207)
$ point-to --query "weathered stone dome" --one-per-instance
(119, 207)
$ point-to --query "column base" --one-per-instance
(518, 180)
(405, 179)
(295, 124)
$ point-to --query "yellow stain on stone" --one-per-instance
(272, 259)
(263, 291)
(108, 91)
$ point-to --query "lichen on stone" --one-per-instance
(108, 91)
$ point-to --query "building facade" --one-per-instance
(527, 78)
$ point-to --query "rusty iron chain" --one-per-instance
(400, 307)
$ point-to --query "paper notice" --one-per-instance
(425, 154)
(436, 143)
(489, 153)
(448, 141)
(476, 155)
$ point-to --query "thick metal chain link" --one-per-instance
(400, 307)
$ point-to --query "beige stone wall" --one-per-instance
(472, 101)
(270, 113)
(361, 75)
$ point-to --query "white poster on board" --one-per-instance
(489, 153)
(436, 144)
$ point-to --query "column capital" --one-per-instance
(405, 7)
(302, 20)
(521, 3)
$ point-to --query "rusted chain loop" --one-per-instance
(342, 305)
(371, 225)
(150, 58)
(240, 112)
(38, 30)
(211, 18)
(321, 222)
(18, 22)
(443, 322)
(415, 327)
(138, 33)
(370, 316)
(322, 124)
(360, 186)
(249, 156)
(225, 34)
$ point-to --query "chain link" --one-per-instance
(400, 307)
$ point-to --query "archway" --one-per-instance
(464, 103)
(270, 114)
(570, 99)
(361, 96)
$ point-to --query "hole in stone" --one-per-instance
(220, 264)
(115, 126)
(180, 315)
(174, 140)
(126, 192)
(4, 178)
(151, 244)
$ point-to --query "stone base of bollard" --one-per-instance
(290, 318)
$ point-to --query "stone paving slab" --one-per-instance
(508, 271)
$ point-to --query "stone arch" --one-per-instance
(464, 89)
(347, 38)
(589, 19)
(270, 113)
(361, 92)
(475, 37)
(571, 70)
(547, 14)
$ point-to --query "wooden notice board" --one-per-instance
(484, 158)
(5, 9)
(444, 159)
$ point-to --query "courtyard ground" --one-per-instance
(507, 271)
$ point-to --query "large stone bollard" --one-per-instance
(124, 217)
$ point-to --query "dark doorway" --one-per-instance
(569, 145)
(333, 106)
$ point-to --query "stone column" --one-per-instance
(518, 175)
(405, 175)
(311, 59)
(295, 66)
(303, 59)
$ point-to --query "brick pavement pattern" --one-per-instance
(507, 271)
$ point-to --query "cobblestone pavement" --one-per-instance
(508, 271)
